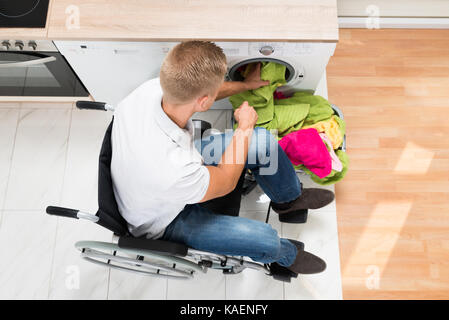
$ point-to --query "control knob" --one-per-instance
(32, 45)
(6, 44)
(266, 50)
(19, 44)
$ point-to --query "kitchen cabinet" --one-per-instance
(111, 70)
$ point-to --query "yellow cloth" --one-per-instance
(331, 129)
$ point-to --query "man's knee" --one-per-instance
(270, 242)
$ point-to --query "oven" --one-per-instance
(36, 68)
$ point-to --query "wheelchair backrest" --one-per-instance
(108, 212)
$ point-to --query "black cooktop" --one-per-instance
(23, 13)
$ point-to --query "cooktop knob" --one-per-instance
(266, 50)
(32, 45)
(19, 44)
(6, 44)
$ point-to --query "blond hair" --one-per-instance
(191, 69)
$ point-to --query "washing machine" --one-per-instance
(305, 62)
(110, 70)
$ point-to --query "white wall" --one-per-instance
(394, 8)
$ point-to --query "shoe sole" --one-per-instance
(298, 216)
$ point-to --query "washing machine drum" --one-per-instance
(235, 75)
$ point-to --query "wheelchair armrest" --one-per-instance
(94, 105)
(62, 212)
(160, 246)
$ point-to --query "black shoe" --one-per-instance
(296, 210)
(305, 262)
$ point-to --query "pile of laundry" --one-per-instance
(309, 131)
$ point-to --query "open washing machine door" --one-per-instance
(294, 73)
(235, 75)
(305, 62)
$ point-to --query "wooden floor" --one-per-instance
(393, 205)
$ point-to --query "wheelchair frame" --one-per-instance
(161, 265)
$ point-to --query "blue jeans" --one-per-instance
(202, 229)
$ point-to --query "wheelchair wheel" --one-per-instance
(143, 262)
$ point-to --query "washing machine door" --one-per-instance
(293, 75)
(234, 73)
(294, 72)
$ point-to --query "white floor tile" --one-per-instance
(126, 286)
(253, 285)
(79, 191)
(256, 200)
(81, 172)
(38, 160)
(207, 286)
(8, 125)
(320, 237)
(72, 276)
(27, 242)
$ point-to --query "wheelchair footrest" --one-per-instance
(299, 216)
(281, 273)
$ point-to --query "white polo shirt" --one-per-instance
(155, 167)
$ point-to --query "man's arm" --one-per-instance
(251, 82)
(224, 177)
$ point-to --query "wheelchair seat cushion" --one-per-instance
(161, 246)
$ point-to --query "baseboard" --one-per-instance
(387, 22)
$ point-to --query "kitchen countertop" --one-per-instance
(177, 20)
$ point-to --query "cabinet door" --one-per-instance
(111, 70)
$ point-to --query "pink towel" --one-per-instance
(336, 163)
(306, 147)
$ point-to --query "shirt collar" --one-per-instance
(183, 137)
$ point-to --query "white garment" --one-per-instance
(155, 167)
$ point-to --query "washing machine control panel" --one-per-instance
(280, 48)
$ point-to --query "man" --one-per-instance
(159, 177)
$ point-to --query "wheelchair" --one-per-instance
(157, 258)
(160, 258)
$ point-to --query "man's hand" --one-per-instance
(224, 177)
(252, 79)
(246, 116)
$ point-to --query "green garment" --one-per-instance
(334, 176)
(285, 115)
(288, 117)
(262, 99)
(320, 108)
(290, 114)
